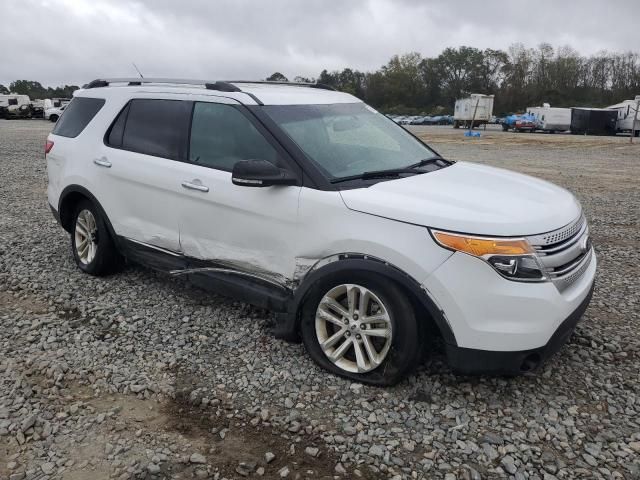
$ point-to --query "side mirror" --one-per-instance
(260, 173)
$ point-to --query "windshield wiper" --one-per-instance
(427, 161)
(392, 172)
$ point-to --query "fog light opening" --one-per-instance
(530, 363)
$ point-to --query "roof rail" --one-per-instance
(322, 86)
(223, 85)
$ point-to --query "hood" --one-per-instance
(470, 198)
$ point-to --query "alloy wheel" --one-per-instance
(353, 328)
(86, 237)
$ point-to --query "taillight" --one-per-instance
(48, 146)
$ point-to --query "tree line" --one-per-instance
(519, 77)
(36, 91)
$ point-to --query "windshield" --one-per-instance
(348, 139)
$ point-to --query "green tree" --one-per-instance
(28, 87)
(277, 77)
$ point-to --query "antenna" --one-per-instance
(137, 70)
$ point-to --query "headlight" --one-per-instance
(513, 258)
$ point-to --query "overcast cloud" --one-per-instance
(72, 41)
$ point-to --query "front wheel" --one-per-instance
(53, 118)
(361, 327)
(93, 248)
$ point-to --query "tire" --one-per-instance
(53, 118)
(93, 249)
(456, 124)
(396, 354)
(505, 127)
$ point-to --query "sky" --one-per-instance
(74, 41)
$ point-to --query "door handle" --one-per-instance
(102, 162)
(195, 186)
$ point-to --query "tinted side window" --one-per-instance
(77, 116)
(221, 136)
(114, 138)
(13, 101)
(158, 127)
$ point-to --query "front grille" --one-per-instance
(565, 253)
(558, 235)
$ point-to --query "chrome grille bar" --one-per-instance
(564, 253)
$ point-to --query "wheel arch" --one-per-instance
(288, 324)
(70, 197)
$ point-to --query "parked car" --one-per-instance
(53, 113)
(37, 108)
(364, 241)
(421, 120)
(519, 123)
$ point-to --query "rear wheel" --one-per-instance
(53, 118)
(362, 327)
(93, 248)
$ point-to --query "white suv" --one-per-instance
(306, 201)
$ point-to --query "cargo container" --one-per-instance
(476, 109)
(593, 121)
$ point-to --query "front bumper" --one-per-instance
(474, 361)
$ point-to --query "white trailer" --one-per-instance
(13, 105)
(551, 119)
(626, 115)
(14, 100)
(476, 109)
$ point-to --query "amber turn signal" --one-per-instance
(479, 246)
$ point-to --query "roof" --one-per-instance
(246, 92)
(593, 109)
(624, 103)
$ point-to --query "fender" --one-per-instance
(65, 215)
(288, 324)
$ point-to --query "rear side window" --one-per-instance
(153, 127)
(77, 116)
(13, 101)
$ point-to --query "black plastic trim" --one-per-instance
(55, 214)
(222, 87)
(234, 284)
(470, 361)
(288, 324)
(70, 189)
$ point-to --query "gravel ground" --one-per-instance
(142, 376)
